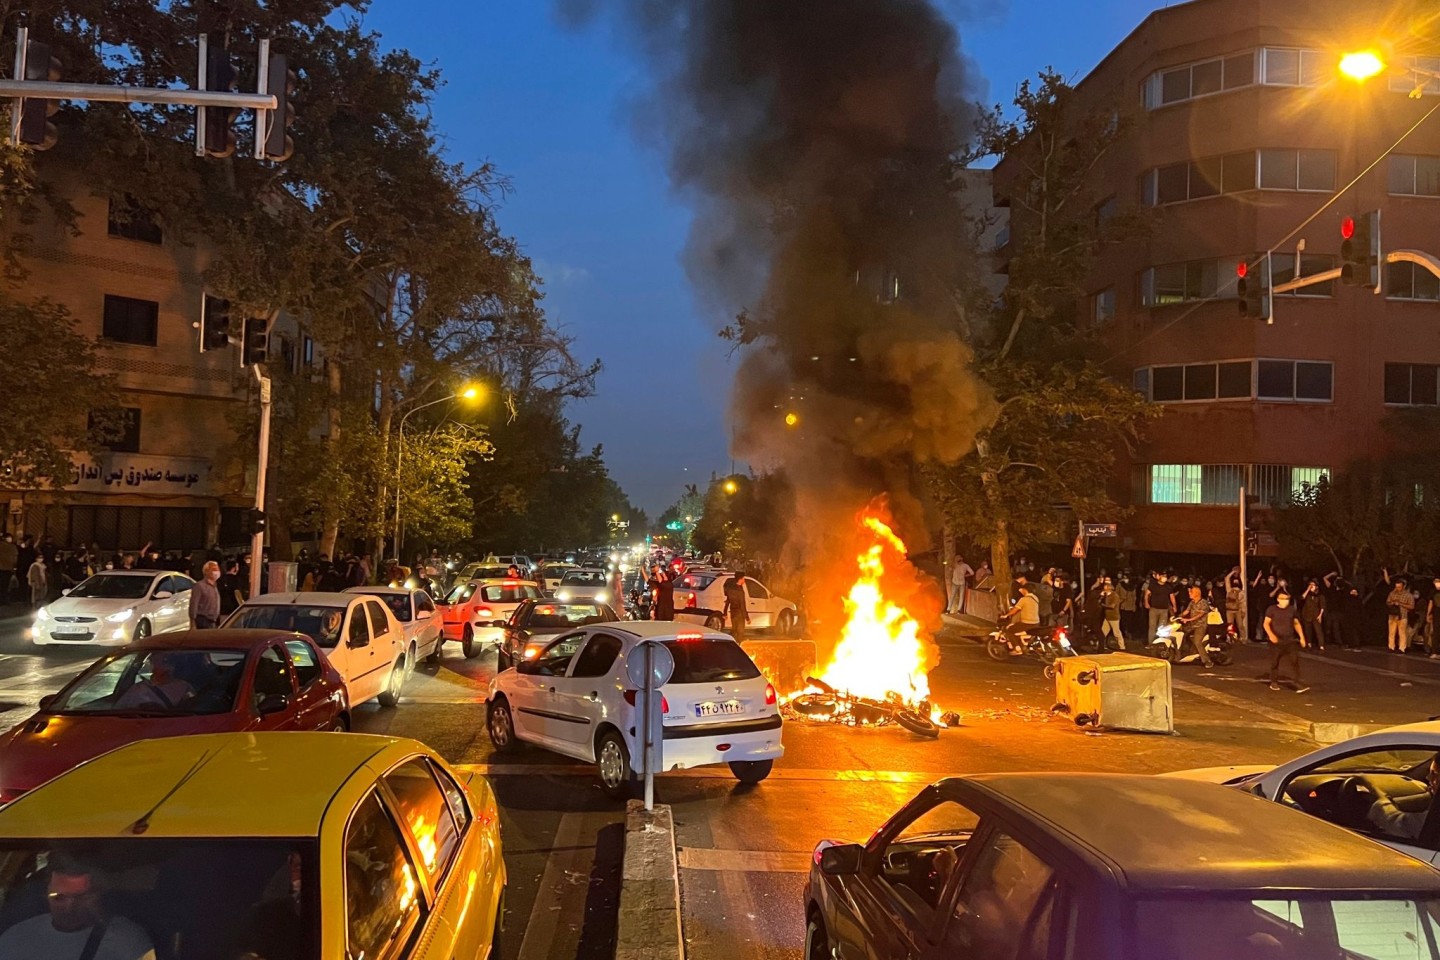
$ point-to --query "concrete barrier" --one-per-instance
(649, 921)
(1328, 733)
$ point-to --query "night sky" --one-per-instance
(592, 207)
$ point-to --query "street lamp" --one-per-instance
(466, 393)
(731, 486)
(1361, 65)
(791, 419)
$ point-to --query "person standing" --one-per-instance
(1234, 594)
(1287, 637)
(1110, 613)
(25, 555)
(231, 587)
(960, 574)
(663, 595)
(735, 609)
(1312, 613)
(1398, 606)
(205, 598)
(1195, 620)
(1125, 591)
(9, 557)
(1352, 613)
(37, 578)
(1157, 604)
(1431, 646)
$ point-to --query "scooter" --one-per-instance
(1170, 644)
(1043, 646)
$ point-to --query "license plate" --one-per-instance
(713, 708)
(71, 636)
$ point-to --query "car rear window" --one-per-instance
(505, 594)
(584, 578)
(549, 616)
(696, 581)
(710, 661)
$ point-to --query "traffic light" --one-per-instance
(1360, 250)
(254, 521)
(281, 83)
(1253, 289)
(256, 344)
(35, 112)
(220, 75)
(214, 323)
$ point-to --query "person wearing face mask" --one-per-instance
(1287, 637)
(205, 599)
(1110, 615)
(1157, 603)
(1398, 606)
(1312, 613)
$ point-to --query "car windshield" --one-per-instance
(460, 593)
(1287, 927)
(559, 616)
(162, 682)
(553, 573)
(113, 586)
(189, 899)
(399, 604)
(1398, 760)
(319, 623)
(710, 661)
(583, 578)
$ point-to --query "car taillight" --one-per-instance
(484, 612)
(770, 697)
(9, 796)
(633, 696)
(689, 599)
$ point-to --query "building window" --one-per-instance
(1294, 380)
(287, 353)
(1218, 484)
(1141, 381)
(1276, 485)
(1198, 179)
(1409, 281)
(1411, 73)
(1002, 236)
(1411, 384)
(1196, 382)
(307, 354)
(1106, 210)
(1282, 270)
(1414, 176)
(1201, 79)
(1184, 282)
(1294, 68)
(128, 440)
(129, 220)
(1174, 483)
(1105, 305)
(1297, 170)
(128, 320)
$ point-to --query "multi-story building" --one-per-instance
(1246, 138)
(183, 473)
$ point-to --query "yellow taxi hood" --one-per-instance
(213, 785)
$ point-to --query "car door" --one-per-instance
(386, 636)
(161, 610)
(892, 908)
(581, 698)
(362, 677)
(180, 599)
(428, 630)
(383, 910)
(270, 680)
(533, 701)
(1006, 904)
(314, 707)
(758, 604)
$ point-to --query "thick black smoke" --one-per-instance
(816, 140)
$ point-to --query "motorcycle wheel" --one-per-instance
(1050, 671)
(1221, 658)
(997, 648)
(1162, 651)
(916, 724)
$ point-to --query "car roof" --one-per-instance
(1431, 727)
(228, 639)
(137, 573)
(382, 591)
(1167, 835)
(664, 630)
(210, 785)
(309, 596)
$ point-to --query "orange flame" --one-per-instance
(881, 649)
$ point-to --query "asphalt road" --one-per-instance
(744, 850)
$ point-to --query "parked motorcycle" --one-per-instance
(1170, 644)
(1047, 646)
(639, 606)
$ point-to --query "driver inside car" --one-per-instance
(1394, 822)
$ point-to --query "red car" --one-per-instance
(170, 685)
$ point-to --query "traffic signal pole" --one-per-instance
(1244, 571)
(257, 539)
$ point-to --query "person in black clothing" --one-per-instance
(1312, 613)
(662, 593)
(735, 609)
(231, 587)
(1287, 637)
(1352, 615)
(330, 579)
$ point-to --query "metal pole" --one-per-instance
(257, 542)
(649, 757)
(399, 462)
(203, 78)
(22, 40)
(107, 93)
(262, 86)
(1244, 575)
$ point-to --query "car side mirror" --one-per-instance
(527, 667)
(162, 595)
(500, 623)
(47, 700)
(65, 592)
(841, 860)
(275, 703)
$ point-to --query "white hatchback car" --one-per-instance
(576, 699)
(1348, 783)
(115, 608)
(584, 585)
(700, 598)
(419, 620)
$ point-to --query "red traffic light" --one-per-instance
(1241, 269)
(1347, 228)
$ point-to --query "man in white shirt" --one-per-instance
(960, 574)
(77, 925)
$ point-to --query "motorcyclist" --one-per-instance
(1194, 621)
(1024, 616)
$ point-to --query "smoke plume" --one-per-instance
(815, 140)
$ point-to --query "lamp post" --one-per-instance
(468, 393)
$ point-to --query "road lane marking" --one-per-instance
(555, 898)
(704, 773)
(1382, 671)
(744, 861)
(441, 700)
(1289, 720)
(37, 678)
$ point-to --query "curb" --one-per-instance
(1328, 733)
(649, 921)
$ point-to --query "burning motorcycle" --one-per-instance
(823, 702)
(1170, 644)
(1045, 646)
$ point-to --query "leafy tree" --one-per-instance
(744, 518)
(434, 493)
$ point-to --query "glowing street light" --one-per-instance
(731, 486)
(791, 419)
(1361, 65)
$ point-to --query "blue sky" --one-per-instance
(593, 209)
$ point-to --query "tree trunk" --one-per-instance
(383, 495)
(1000, 543)
(330, 532)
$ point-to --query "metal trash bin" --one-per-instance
(1117, 691)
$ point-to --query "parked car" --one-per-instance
(700, 598)
(575, 698)
(474, 612)
(550, 575)
(171, 685)
(1349, 784)
(1113, 867)
(479, 571)
(536, 622)
(115, 608)
(419, 620)
(358, 635)
(257, 845)
(584, 584)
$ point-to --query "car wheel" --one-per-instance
(714, 622)
(391, 695)
(468, 644)
(501, 725)
(142, 630)
(410, 661)
(341, 724)
(751, 771)
(817, 944)
(612, 762)
(786, 625)
(435, 653)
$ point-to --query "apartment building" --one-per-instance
(1243, 131)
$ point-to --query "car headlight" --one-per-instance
(120, 617)
(563, 596)
(602, 597)
(42, 614)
